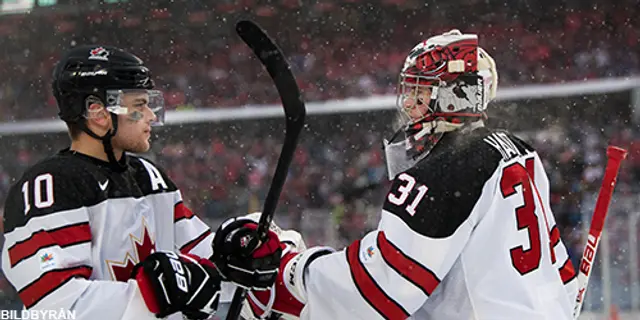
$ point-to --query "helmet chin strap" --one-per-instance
(106, 143)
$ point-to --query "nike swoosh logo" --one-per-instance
(103, 186)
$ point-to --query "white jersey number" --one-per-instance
(43, 182)
(405, 190)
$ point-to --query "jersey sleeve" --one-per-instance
(47, 252)
(426, 221)
(192, 234)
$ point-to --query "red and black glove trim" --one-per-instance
(242, 259)
(171, 282)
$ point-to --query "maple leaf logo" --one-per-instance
(46, 257)
(143, 247)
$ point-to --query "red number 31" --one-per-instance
(514, 175)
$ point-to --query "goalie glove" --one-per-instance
(171, 282)
(288, 295)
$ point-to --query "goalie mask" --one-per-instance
(445, 84)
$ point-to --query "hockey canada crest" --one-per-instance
(142, 248)
(99, 53)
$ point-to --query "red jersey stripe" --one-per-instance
(64, 237)
(369, 289)
(180, 211)
(408, 268)
(567, 272)
(191, 244)
(49, 282)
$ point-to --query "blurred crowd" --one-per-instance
(342, 50)
(338, 49)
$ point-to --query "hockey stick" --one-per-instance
(615, 156)
(278, 68)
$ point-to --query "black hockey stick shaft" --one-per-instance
(278, 68)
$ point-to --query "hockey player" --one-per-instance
(104, 233)
(466, 230)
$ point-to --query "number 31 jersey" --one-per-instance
(467, 233)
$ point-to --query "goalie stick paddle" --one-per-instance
(615, 156)
(278, 68)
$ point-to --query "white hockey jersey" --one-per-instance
(75, 227)
(467, 233)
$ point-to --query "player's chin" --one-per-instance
(140, 147)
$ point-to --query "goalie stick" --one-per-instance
(615, 156)
(278, 68)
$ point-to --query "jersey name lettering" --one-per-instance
(501, 142)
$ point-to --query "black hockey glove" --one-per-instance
(242, 259)
(171, 282)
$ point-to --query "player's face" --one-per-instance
(416, 103)
(134, 128)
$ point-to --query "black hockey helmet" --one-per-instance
(102, 74)
(91, 70)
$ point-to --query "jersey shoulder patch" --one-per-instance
(438, 194)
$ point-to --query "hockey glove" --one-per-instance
(288, 295)
(171, 282)
(242, 259)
